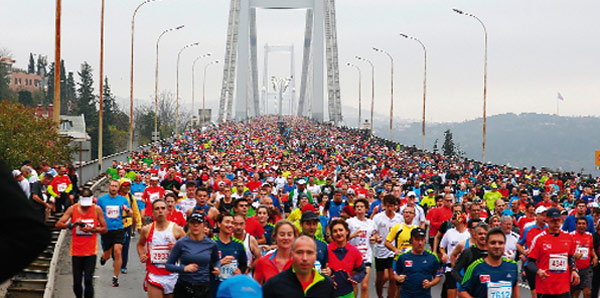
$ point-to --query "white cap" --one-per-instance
(16, 173)
(411, 193)
(301, 182)
(154, 178)
(541, 209)
(85, 201)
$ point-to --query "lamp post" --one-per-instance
(101, 99)
(280, 85)
(131, 76)
(392, 88)
(372, 86)
(204, 83)
(359, 91)
(56, 112)
(484, 76)
(424, 82)
(155, 137)
(193, 81)
(177, 88)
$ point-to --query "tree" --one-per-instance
(448, 148)
(25, 136)
(71, 94)
(31, 66)
(26, 98)
(42, 62)
(86, 104)
(5, 91)
(50, 92)
(144, 123)
(64, 99)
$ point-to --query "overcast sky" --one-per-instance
(536, 49)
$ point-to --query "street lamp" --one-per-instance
(424, 81)
(372, 86)
(155, 137)
(177, 88)
(193, 72)
(484, 76)
(101, 98)
(204, 83)
(392, 88)
(280, 85)
(359, 91)
(131, 76)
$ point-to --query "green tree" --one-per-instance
(86, 104)
(448, 147)
(64, 99)
(144, 123)
(25, 136)
(71, 95)
(5, 92)
(26, 98)
(31, 66)
(42, 62)
(50, 91)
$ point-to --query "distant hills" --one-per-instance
(522, 140)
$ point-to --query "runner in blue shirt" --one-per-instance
(113, 206)
(417, 269)
(492, 276)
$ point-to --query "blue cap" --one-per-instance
(239, 286)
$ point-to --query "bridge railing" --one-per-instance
(89, 170)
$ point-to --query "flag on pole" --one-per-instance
(560, 96)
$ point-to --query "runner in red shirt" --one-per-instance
(529, 217)
(173, 214)
(279, 260)
(552, 258)
(151, 193)
(585, 256)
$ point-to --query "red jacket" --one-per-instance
(59, 185)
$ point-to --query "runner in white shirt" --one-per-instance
(419, 212)
(384, 258)
(510, 246)
(189, 200)
(362, 235)
(449, 241)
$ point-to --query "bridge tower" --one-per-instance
(240, 70)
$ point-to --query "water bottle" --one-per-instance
(318, 266)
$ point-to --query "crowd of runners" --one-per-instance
(287, 207)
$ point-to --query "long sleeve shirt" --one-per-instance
(203, 253)
(60, 184)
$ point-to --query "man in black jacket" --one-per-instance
(301, 280)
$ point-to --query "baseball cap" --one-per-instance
(429, 190)
(239, 286)
(338, 189)
(541, 209)
(417, 232)
(124, 181)
(154, 178)
(411, 194)
(16, 173)
(265, 184)
(308, 207)
(494, 185)
(301, 182)
(350, 191)
(197, 217)
(86, 201)
(553, 213)
(308, 216)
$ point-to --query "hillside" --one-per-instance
(520, 140)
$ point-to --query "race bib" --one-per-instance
(584, 251)
(227, 270)
(558, 263)
(62, 187)
(154, 196)
(363, 250)
(501, 289)
(535, 193)
(89, 223)
(159, 254)
(113, 211)
(138, 195)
